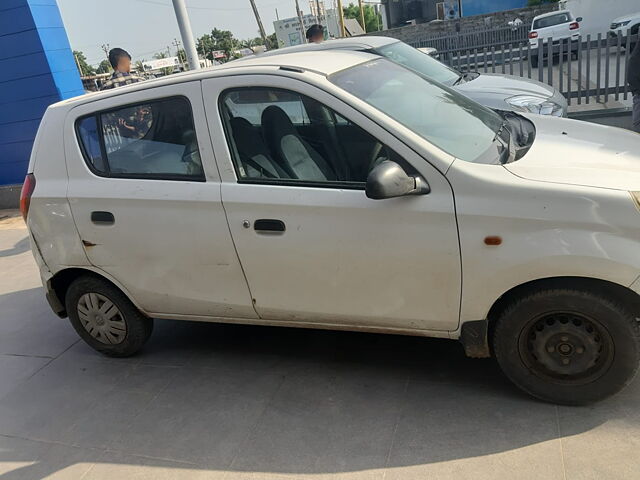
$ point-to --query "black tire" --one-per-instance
(570, 347)
(132, 328)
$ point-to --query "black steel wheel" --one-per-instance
(569, 347)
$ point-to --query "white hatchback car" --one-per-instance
(560, 28)
(343, 191)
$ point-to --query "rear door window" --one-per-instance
(153, 140)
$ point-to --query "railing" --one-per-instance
(477, 38)
(592, 68)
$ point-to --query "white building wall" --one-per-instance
(288, 30)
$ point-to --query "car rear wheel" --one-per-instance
(105, 318)
(569, 347)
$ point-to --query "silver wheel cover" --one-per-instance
(101, 319)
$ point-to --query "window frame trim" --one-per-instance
(132, 176)
(287, 182)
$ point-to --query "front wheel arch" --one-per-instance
(475, 335)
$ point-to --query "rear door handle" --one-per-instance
(267, 225)
(103, 218)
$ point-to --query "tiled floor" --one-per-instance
(210, 401)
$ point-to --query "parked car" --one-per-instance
(343, 191)
(561, 28)
(627, 25)
(500, 92)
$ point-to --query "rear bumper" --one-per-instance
(54, 302)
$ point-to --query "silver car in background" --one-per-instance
(500, 92)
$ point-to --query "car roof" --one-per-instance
(323, 63)
(353, 43)
(551, 14)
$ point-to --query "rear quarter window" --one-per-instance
(152, 140)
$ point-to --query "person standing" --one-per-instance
(120, 60)
(633, 78)
(315, 34)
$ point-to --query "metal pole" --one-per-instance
(364, 26)
(78, 65)
(318, 16)
(343, 32)
(263, 34)
(186, 33)
(302, 30)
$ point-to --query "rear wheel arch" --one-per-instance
(59, 284)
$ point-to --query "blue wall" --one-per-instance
(37, 69)
(482, 7)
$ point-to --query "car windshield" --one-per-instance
(552, 21)
(420, 62)
(451, 121)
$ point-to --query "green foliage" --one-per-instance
(85, 68)
(217, 40)
(372, 20)
(104, 67)
(536, 3)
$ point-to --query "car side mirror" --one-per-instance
(579, 19)
(389, 180)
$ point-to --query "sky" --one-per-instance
(144, 27)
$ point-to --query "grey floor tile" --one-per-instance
(464, 457)
(122, 466)
(16, 369)
(202, 416)
(325, 423)
(29, 460)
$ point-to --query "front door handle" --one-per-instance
(103, 218)
(268, 225)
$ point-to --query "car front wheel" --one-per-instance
(567, 346)
(105, 318)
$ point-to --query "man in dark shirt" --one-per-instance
(120, 60)
(633, 77)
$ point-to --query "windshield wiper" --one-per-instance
(460, 78)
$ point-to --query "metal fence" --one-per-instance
(475, 38)
(589, 69)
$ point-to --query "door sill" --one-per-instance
(309, 325)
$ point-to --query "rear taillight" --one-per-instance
(28, 187)
(574, 26)
(533, 34)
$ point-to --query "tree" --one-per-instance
(372, 20)
(81, 60)
(218, 40)
(272, 42)
(140, 66)
(182, 56)
(104, 67)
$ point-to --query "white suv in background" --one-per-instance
(626, 25)
(343, 191)
(561, 28)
